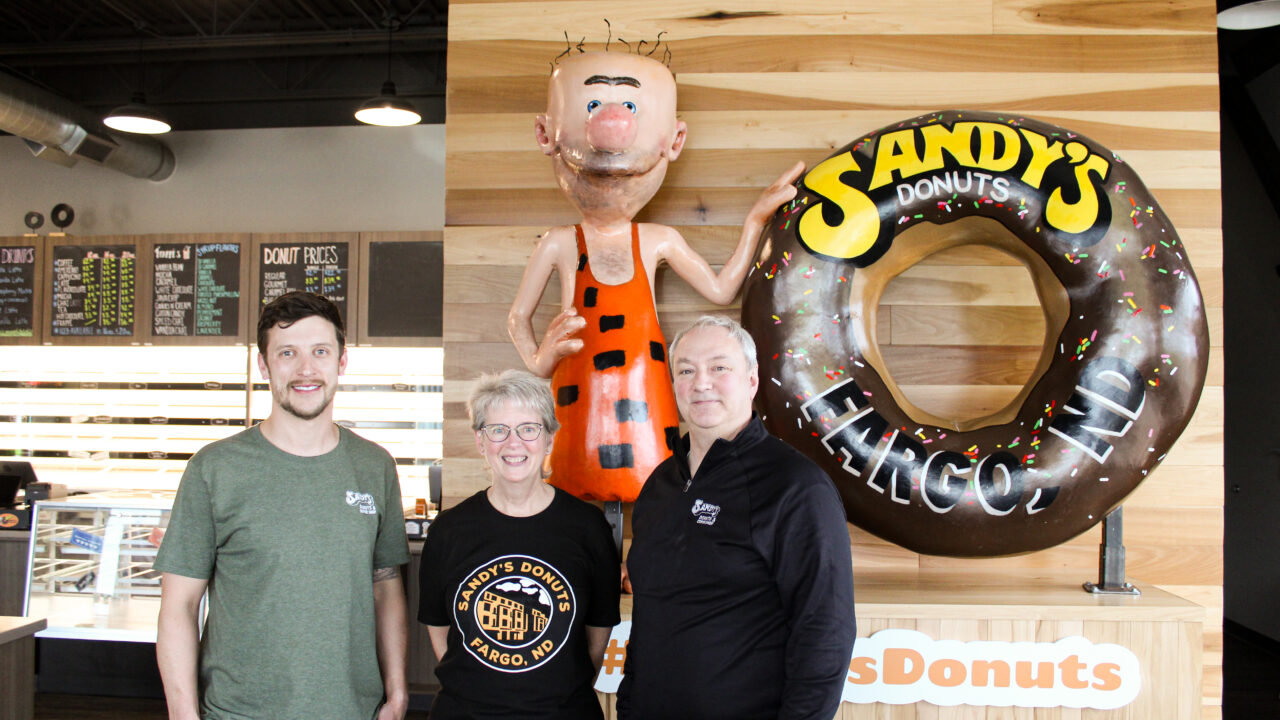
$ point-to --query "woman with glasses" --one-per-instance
(519, 582)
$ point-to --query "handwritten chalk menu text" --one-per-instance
(93, 289)
(320, 268)
(196, 289)
(17, 291)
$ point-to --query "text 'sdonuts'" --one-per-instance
(1123, 362)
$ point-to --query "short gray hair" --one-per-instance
(516, 387)
(735, 330)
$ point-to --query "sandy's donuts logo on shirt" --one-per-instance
(514, 612)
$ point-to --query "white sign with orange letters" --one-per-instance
(899, 667)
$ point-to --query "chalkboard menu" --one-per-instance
(17, 291)
(405, 289)
(196, 289)
(321, 268)
(93, 289)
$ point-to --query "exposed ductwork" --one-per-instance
(57, 130)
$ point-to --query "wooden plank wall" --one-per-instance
(761, 85)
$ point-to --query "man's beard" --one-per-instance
(293, 410)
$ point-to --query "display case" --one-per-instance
(89, 565)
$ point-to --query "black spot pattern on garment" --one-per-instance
(610, 359)
(673, 437)
(612, 322)
(616, 456)
(589, 297)
(582, 262)
(657, 352)
(631, 410)
(567, 395)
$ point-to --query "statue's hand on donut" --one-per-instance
(1122, 363)
(780, 192)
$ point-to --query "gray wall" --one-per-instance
(273, 180)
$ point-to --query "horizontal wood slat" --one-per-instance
(489, 19)
(643, 21)
(1104, 16)
(776, 52)
(913, 93)
(503, 130)
(1148, 563)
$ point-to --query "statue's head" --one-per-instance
(611, 117)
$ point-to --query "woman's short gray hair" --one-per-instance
(516, 387)
(735, 330)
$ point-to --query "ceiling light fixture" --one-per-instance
(137, 117)
(386, 109)
(1250, 16)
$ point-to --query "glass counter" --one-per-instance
(89, 565)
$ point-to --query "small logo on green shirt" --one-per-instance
(364, 501)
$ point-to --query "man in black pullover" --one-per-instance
(740, 564)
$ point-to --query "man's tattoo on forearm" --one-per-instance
(389, 573)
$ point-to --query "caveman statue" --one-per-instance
(611, 130)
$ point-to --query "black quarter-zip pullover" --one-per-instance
(743, 585)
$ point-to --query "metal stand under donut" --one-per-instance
(613, 513)
(1111, 559)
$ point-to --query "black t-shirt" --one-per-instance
(516, 593)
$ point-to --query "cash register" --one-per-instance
(15, 475)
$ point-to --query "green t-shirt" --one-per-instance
(289, 545)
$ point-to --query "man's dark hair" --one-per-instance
(294, 306)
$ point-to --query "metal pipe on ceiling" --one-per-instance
(60, 131)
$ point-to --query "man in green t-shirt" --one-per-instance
(295, 528)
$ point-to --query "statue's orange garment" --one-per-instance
(617, 414)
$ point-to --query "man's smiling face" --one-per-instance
(302, 364)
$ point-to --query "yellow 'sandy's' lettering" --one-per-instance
(987, 158)
(861, 225)
(896, 151)
(1043, 154)
(955, 140)
(1078, 216)
(994, 147)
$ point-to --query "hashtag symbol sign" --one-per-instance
(614, 656)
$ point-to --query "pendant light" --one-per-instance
(137, 117)
(386, 109)
(1250, 15)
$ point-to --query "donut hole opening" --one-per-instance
(954, 327)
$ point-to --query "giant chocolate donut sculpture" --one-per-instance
(1122, 367)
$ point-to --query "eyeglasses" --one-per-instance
(525, 431)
